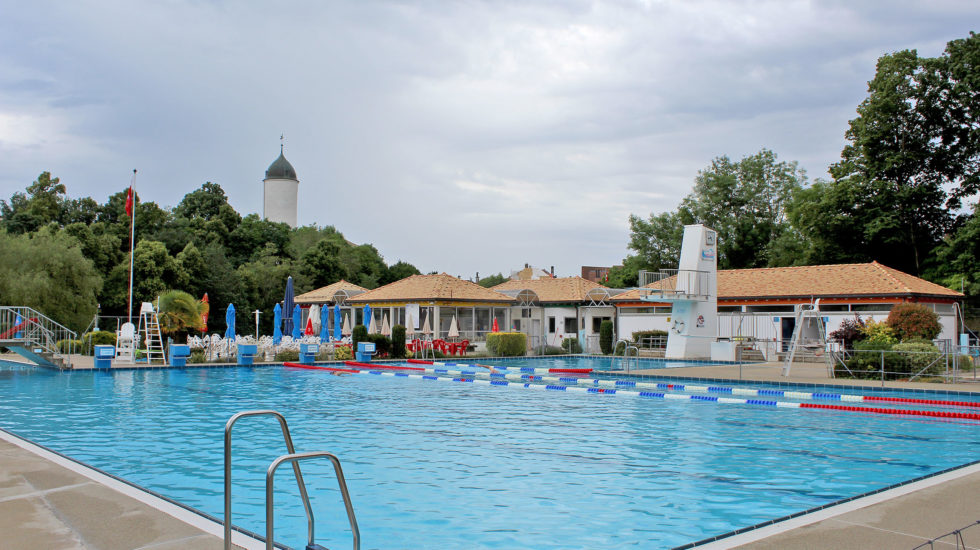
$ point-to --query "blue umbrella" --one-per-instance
(17, 323)
(336, 323)
(230, 321)
(367, 315)
(277, 325)
(296, 334)
(324, 317)
(287, 306)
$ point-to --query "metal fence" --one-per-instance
(950, 364)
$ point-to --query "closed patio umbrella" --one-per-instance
(426, 329)
(495, 327)
(336, 323)
(385, 327)
(373, 327)
(287, 307)
(296, 331)
(230, 321)
(277, 324)
(367, 316)
(324, 322)
(308, 331)
(346, 329)
(410, 327)
(453, 328)
(314, 314)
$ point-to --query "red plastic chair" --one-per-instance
(463, 347)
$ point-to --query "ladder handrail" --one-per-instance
(39, 329)
(295, 458)
(289, 447)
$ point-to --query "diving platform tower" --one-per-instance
(692, 292)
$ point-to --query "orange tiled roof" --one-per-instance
(442, 287)
(844, 280)
(563, 289)
(325, 294)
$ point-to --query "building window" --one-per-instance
(571, 325)
(551, 325)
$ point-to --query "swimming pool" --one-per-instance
(449, 465)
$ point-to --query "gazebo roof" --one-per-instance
(429, 288)
(329, 294)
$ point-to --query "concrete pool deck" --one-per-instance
(46, 502)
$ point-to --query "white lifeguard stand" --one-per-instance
(692, 292)
(126, 343)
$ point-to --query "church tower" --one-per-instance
(281, 190)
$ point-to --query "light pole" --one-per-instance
(257, 313)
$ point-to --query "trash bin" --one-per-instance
(104, 356)
(364, 351)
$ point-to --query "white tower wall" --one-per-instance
(694, 316)
(280, 201)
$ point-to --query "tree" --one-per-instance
(48, 272)
(180, 312)
(42, 205)
(954, 262)
(321, 264)
(656, 241)
(398, 271)
(492, 280)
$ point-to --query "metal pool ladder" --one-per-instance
(627, 346)
(294, 458)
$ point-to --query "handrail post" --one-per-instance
(289, 447)
(295, 458)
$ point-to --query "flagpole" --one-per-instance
(132, 237)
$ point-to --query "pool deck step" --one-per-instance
(46, 503)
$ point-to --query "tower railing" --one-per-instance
(676, 283)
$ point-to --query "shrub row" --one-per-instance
(507, 344)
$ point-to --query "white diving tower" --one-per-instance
(692, 292)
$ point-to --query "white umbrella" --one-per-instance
(453, 328)
(410, 327)
(373, 326)
(345, 331)
(315, 315)
(385, 327)
(425, 325)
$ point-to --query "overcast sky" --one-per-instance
(458, 136)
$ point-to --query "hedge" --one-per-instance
(398, 341)
(571, 345)
(606, 337)
(507, 344)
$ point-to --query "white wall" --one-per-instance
(280, 201)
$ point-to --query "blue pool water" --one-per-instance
(450, 465)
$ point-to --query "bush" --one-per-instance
(382, 345)
(359, 334)
(398, 341)
(914, 321)
(553, 350)
(507, 344)
(287, 355)
(571, 345)
(197, 356)
(879, 333)
(96, 338)
(343, 353)
(850, 331)
(640, 334)
(63, 346)
(918, 357)
(605, 337)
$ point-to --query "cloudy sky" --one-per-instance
(459, 136)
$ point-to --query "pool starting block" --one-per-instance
(104, 356)
(246, 353)
(307, 352)
(179, 354)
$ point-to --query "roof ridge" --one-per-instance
(887, 272)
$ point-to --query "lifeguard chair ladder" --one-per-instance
(150, 330)
(805, 313)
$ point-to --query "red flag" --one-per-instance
(129, 201)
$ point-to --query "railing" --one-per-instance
(946, 365)
(675, 283)
(32, 328)
(955, 539)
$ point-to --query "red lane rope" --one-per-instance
(379, 367)
(316, 367)
(934, 414)
(420, 362)
(572, 371)
(920, 401)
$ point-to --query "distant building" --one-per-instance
(530, 273)
(595, 274)
(281, 190)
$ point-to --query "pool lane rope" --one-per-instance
(401, 373)
(692, 388)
